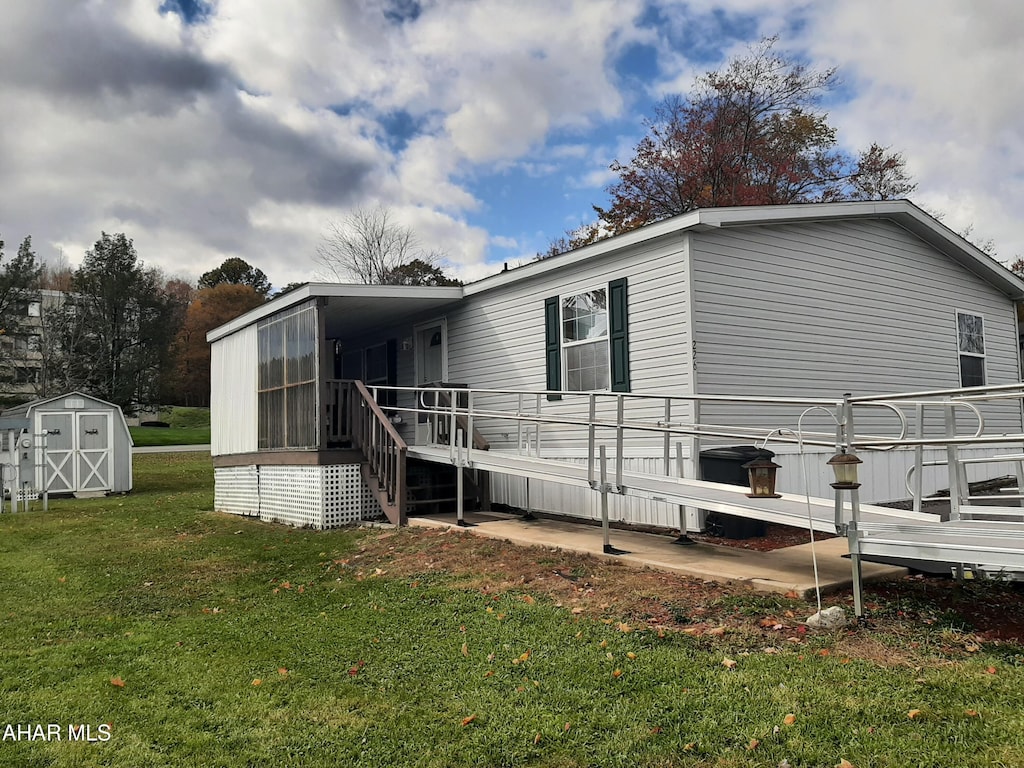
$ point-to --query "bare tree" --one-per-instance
(369, 246)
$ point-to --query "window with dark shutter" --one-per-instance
(587, 340)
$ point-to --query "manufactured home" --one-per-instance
(720, 327)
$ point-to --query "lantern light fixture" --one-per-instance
(845, 467)
(762, 472)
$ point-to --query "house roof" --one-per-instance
(900, 212)
(369, 306)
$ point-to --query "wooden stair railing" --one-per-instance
(384, 469)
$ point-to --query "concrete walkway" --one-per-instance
(782, 570)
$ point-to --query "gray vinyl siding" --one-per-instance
(496, 339)
(819, 309)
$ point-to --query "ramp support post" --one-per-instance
(853, 537)
(608, 549)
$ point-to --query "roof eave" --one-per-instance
(333, 290)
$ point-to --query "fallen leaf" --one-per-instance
(971, 712)
(525, 656)
(530, 601)
(489, 673)
(690, 746)
(465, 650)
(792, 595)
(656, 730)
(567, 726)
(577, 610)
(623, 627)
(754, 744)
(789, 719)
(467, 720)
(282, 671)
(991, 670)
(630, 655)
(913, 713)
(536, 739)
(257, 681)
(728, 663)
(286, 585)
(117, 682)
(716, 631)
(63, 579)
(972, 648)
(844, 763)
(604, 644)
(617, 673)
(824, 652)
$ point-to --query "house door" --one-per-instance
(431, 354)
(431, 345)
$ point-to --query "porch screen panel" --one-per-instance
(287, 383)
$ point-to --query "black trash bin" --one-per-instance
(725, 465)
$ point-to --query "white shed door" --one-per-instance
(60, 451)
(92, 466)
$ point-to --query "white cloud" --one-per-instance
(244, 135)
(942, 82)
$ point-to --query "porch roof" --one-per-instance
(351, 309)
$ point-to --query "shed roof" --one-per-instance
(24, 408)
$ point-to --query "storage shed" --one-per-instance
(75, 443)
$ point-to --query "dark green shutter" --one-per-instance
(552, 346)
(618, 335)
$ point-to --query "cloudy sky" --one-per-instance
(211, 129)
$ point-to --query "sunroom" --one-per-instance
(283, 377)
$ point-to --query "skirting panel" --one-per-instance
(304, 496)
(236, 490)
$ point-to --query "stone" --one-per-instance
(830, 618)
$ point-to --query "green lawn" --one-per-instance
(210, 640)
(143, 436)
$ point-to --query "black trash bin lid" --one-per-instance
(741, 453)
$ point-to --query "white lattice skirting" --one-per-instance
(314, 497)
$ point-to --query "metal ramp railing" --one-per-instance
(992, 539)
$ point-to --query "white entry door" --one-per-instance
(431, 346)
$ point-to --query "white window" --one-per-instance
(970, 331)
(585, 341)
